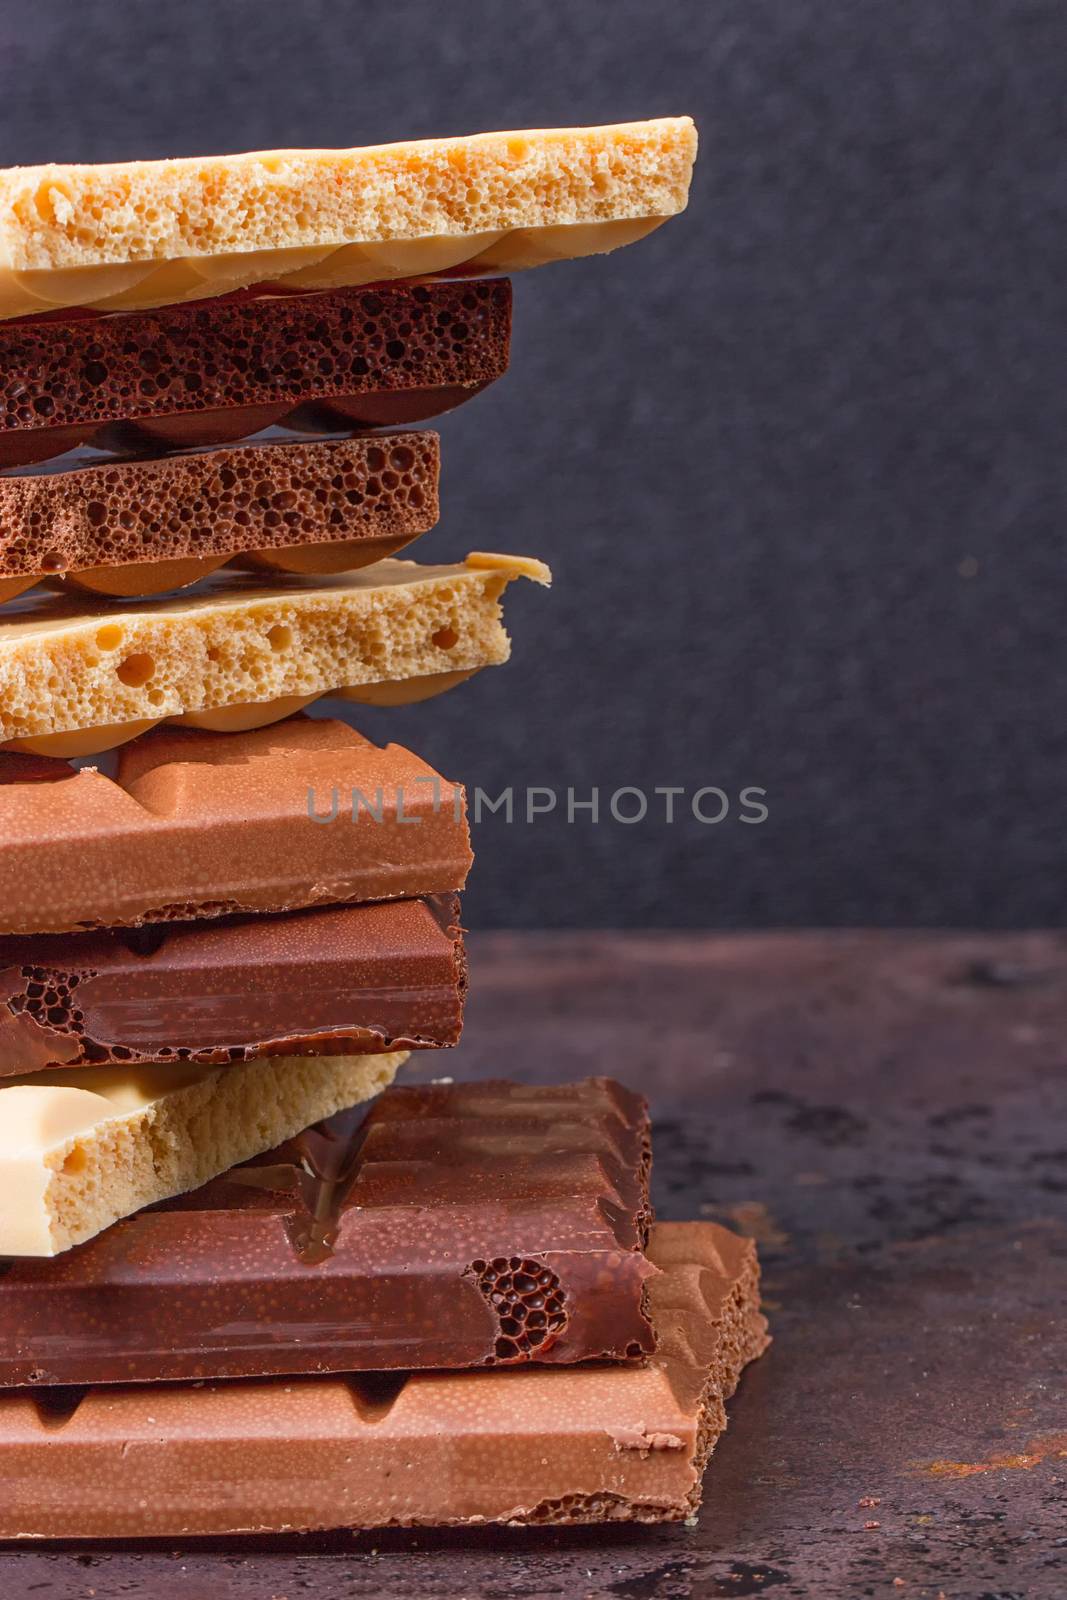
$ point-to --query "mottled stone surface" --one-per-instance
(885, 1113)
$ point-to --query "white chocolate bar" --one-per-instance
(80, 1149)
(91, 672)
(148, 233)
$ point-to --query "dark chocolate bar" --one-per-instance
(458, 1225)
(347, 980)
(219, 370)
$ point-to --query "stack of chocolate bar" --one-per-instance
(220, 943)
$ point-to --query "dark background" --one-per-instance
(797, 460)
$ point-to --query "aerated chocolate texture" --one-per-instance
(84, 667)
(540, 1445)
(347, 981)
(459, 1225)
(220, 370)
(380, 488)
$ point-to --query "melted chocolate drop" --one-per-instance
(320, 1181)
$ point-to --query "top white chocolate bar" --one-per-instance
(145, 233)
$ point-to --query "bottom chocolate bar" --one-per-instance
(513, 1445)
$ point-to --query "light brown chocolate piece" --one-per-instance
(204, 824)
(114, 524)
(512, 1445)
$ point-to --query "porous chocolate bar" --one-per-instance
(223, 369)
(146, 233)
(533, 1445)
(458, 1225)
(347, 980)
(80, 677)
(195, 825)
(141, 527)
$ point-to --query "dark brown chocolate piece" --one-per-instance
(458, 1225)
(220, 370)
(350, 980)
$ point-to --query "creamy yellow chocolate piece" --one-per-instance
(144, 233)
(70, 666)
(80, 1149)
(408, 693)
(236, 719)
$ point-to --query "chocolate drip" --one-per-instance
(320, 1182)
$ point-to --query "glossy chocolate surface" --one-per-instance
(347, 980)
(458, 1225)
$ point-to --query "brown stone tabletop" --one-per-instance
(887, 1115)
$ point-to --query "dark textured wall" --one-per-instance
(797, 460)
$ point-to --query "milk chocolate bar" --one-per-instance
(349, 980)
(472, 1225)
(200, 825)
(241, 653)
(534, 1445)
(148, 233)
(80, 1150)
(220, 370)
(141, 527)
